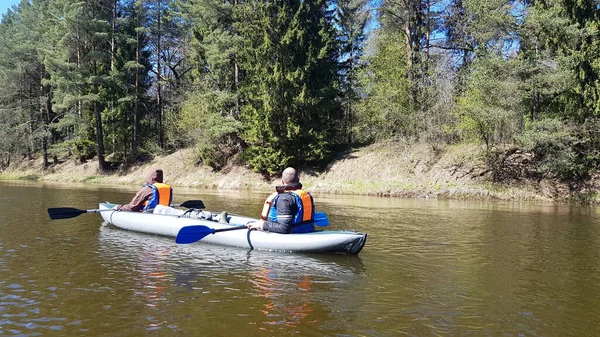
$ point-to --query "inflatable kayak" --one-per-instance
(234, 233)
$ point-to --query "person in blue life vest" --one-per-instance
(287, 208)
(153, 193)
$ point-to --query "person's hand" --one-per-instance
(255, 225)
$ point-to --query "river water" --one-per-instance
(429, 268)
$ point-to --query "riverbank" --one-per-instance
(396, 170)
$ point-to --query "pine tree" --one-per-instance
(352, 17)
(210, 112)
(14, 110)
(290, 86)
(25, 101)
(79, 66)
(384, 111)
(128, 79)
(170, 49)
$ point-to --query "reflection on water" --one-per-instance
(271, 291)
(278, 310)
(430, 268)
(153, 277)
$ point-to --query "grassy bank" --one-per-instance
(397, 170)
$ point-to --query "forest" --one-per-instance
(275, 83)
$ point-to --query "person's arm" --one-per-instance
(137, 203)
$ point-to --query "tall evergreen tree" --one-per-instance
(126, 90)
(384, 111)
(14, 108)
(408, 17)
(560, 41)
(25, 96)
(290, 87)
(170, 51)
(548, 80)
(79, 66)
(581, 51)
(352, 17)
(211, 110)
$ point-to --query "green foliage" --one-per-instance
(551, 141)
(384, 112)
(286, 82)
(351, 18)
(491, 25)
(79, 64)
(266, 159)
(214, 134)
(22, 94)
(491, 108)
(84, 149)
(566, 32)
(289, 57)
(210, 111)
(214, 43)
(125, 115)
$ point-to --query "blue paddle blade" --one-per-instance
(321, 219)
(189, 234)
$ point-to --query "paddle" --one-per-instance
(70, 212)
(189, 234)
(190, 204)
(321, 219)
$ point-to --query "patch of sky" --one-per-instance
(6, 4)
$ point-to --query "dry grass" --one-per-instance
(415, 170)
(178, 167)
(394, 169)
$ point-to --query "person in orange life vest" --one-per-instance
(290, 206)
(153, 192)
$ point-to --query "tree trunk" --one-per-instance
(31, 108)
(99, 132)
(236, 79)
(427, 33)
(536, 94)
(158, 78)
(45, 113)
(409, 61)
(134, 140)
(113, 44)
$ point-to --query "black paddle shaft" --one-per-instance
(230, 229)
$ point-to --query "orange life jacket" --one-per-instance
(162, 194)
(303, 201)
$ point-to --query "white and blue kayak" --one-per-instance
(234, 233)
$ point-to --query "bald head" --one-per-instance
(290, 176)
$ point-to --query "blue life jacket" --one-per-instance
(161, 194)
(304, 217)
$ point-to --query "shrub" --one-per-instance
(551, 141)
